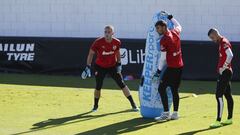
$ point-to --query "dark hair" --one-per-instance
(211, 31)
(161, 23)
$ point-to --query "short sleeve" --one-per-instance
(94, 46)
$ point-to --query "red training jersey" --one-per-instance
(171, 44)
(106, 51)
(224, 44)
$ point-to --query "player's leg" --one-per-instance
(230, 102)
(164, 98)
(222, 85)
(219, 98)
(120, 82)
(176, 80)
(220, 90)
(99, 76)
(127, 94)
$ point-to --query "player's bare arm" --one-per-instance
(119, 65)
(87, 71)
(90, 57)
(118, 55)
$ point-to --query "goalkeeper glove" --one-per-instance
(86, 72)
(156, 76)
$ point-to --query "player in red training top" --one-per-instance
(224, 69)
(171, 56)
(108, 61)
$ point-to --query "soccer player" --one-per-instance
(108, 61)
(225, 72)
(171, 55)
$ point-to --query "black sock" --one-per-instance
(230, 101)
(175, 99)
(131, 101)
(230, 106)
(96, 102)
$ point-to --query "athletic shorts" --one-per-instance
(172, 77)
(223, 81)
(101, 72)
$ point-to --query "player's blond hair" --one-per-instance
(109, 27)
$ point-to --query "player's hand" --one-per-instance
(222, 69)
(156, 76)
(86, 72)
(119, 67)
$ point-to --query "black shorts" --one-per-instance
(101, 72)
(172, 77)
(224, 83)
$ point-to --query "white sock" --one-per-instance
(166, 112)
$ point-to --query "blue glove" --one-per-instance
(119, 67)
(86, 72)
(156, 76)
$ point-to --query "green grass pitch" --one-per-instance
(59, 105)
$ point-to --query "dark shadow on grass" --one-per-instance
(197, 87)
(185, 97)
(56, 122)
(59, 121)
(121, 127)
